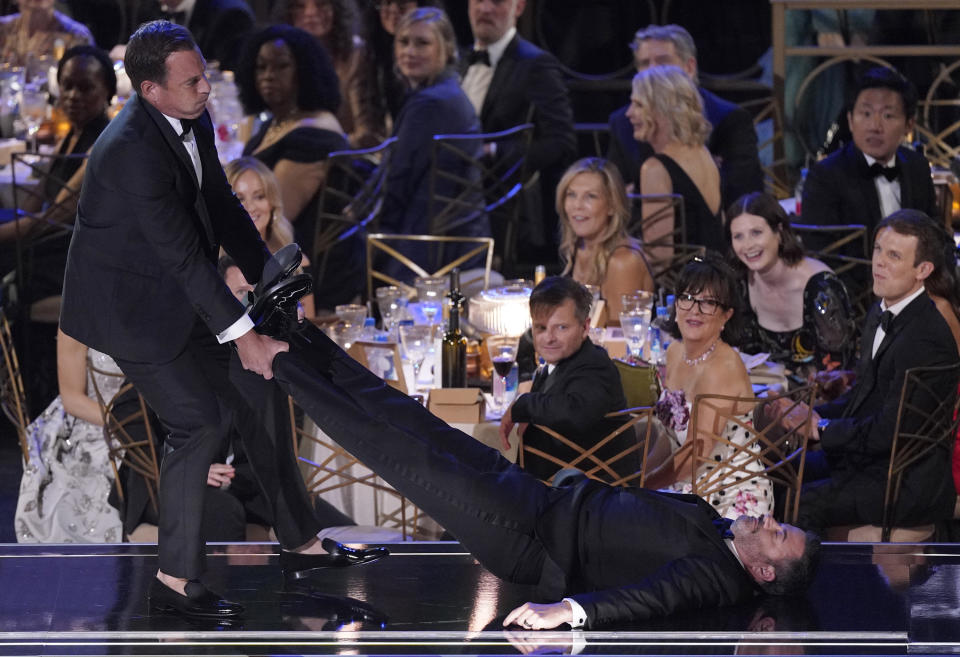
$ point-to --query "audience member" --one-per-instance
(874, 176)
(904, 330)
(380, 20)
(64, 489)
(732, 141)
(797, 309)
(594, 245)
(574, 390)
(286, 71)
(219, 26)
(333, 23)
(666, 111)
(38, 31)
(426, 54)
(258, 191)
(510, 81)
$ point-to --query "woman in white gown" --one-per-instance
(63, 493)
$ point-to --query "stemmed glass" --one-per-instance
(416, 342)
(503, 354)
(352, 314)
(33, 109)
(388, 301)
(430, 293)
(635, 324)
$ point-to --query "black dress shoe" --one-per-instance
(199, 601)
(298, 566)
(275, 312)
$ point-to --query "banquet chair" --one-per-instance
(669, 253)
(494, 189)
(611, 469)
(327, 468)
(385, 248)
(920, 434)
(770, 452)
(350, 200)
(846, 250)
(13, 398)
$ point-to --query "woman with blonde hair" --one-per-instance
(666, 111)
(594, 244)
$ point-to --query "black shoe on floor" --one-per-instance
(298, 566)
(199, 601)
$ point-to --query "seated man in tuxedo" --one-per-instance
(904, 330)
(604, 554)
(733, 141)
(572, 392)
(873, 176)
(510, 81)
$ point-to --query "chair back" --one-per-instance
(668, 253)
(13, 398)
(466, 185)
(385, 248)
(129, 434)
(328, 467)
(609, 469)
(928, 416)
(845, 248)
(769, 452)
(640, 384)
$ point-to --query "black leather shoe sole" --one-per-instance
(297, 566)
(201, 602)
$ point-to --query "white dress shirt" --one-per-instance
(887, 190)
(895, 310)
(476, 81)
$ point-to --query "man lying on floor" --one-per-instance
(607, 554)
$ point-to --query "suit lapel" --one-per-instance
(906, 188)
(501, 74)
(867, 187)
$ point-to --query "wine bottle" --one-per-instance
(454, 346)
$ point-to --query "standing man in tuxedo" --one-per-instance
(510, 81)
(874, 175)
(904, 330)
(142, 285)
(573, 391)
(733, 140)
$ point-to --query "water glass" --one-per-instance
(352, 313)
(416, 341)
(33, 110)
(388, 301)
(430, 295)
(635, 325)
(634, 301)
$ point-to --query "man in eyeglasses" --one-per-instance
(573, 390)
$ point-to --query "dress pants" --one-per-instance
(488, 503)
(197, 395)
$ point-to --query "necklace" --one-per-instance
(702, 357)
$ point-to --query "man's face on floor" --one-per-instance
(766, 540)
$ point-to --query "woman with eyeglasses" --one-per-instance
(701, 362)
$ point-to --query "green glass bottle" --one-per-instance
(454, 347)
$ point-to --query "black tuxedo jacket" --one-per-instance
(733, 141)
(857, 443)
(572, 401)
(840, 190)
(142, 262)
(528, 85)
(631, 554)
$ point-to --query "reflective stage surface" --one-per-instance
(433, 598)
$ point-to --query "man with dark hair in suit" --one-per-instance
(733, 140)
(142, 285)
(510, 81)
(874, 175)
(573, 391)
(904, 330)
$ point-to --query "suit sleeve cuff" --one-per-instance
(235, 330)
(579, 615)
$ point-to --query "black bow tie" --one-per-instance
(886, 320)
(722, 526)
(177, 17)
(186, 126)
(478, 57)
(890, 173)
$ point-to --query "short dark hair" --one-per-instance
(710, 272)
(882, 77)
(766, 206)
(793, 576)
(148, 49)
(107, 74)
(317, 85)
(554, 290)
(224, 263)
(931, 238)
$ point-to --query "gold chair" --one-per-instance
(608, 469)
(384, 247)
(670, 252)
(332, 468)
(770, 452)
(640, 384)
(13, 398)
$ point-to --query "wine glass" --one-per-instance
(388, 301)
(635, 324)
(33, 110)
(635, 301)
(430, 292)
(503, 354)
(352, 315)
(416, 342)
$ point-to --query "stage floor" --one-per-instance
(433, 598)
